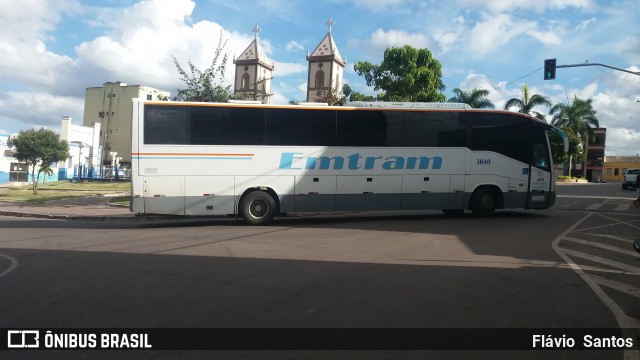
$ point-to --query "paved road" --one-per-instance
(568, 267)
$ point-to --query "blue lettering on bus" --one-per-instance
(357, 161)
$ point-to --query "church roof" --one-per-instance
(327, 49)
(254, 54)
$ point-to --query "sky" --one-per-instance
(52, 50)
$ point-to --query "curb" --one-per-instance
(132, 217)
(67, 217)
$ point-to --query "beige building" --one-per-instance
(254, 72)
(110, 105)
(325, 68)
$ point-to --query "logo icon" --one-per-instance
(20, 339)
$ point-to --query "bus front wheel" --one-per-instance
(258, 208)
(483, 202)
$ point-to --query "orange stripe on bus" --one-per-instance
(190, 154)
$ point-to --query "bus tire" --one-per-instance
(258, 208)
(483, 202)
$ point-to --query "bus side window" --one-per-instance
(540, 156)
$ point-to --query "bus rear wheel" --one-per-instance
(258, 208)
(483, 202)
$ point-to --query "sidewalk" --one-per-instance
(84, 208)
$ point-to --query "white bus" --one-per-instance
(258, 161)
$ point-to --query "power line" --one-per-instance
(511, 82)
(618, 77)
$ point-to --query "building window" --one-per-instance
(616, 172)
(246, 79)
(608, 171)
(149, 97)
(319, 79)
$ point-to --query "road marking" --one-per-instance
(622, 207)
(616, 285)
(13, 266)
(570, 204)
(623, 320)
(603, 246)
(627, 240)
(632, 270)
(595, 206)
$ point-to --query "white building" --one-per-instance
(10, 169)
(84, 150)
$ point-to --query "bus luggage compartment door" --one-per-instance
(315, 193)
(368, 192)
(164, 195)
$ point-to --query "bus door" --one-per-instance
(540, 178)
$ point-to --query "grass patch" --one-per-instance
(63, 190)
(120, 201)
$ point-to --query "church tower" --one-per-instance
(325, 68)
(253, 72)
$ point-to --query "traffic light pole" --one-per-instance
(598, 64)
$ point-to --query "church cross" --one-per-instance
(329, 23)
(256, 30)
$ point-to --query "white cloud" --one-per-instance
(26, 26)
(497, 31)
(479, 81)
(378, 5)
(284, 69)
(145, 36)
(447, 37)
(39, 109)
(278, 99)
(498, 6)
(294, 46)
(584, 24)
(380, 40)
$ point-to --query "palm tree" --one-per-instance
(577, 119)
(528, 103)
(476, 98)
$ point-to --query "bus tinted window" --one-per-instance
(166, 124)
(227, 126)
(433, 129)
(506, 134)
(369, 128)
(301, 127)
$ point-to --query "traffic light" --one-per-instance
(550, 69)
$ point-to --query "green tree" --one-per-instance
(577, 120)
(207, 85)
(528, 102)
(351, 95)
(405, 74)
(476, 98)
(332, 97)
(40, 149)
